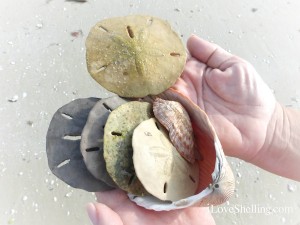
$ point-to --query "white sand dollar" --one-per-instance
(158, 165)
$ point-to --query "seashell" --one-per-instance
(63, 146)
(118, 144)
(91, 144)
(176, 120)
(134, 56)
(216, 180)
(159, 166)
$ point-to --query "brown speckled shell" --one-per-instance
(176, 120)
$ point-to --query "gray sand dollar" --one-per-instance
(91, 144)
(63, 146)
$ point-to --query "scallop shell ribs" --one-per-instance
(176, 120)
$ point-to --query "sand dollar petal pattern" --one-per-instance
(134, 56)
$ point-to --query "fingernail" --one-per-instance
(92, 212)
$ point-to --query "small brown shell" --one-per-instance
(176, 120)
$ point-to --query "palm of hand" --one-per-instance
(115, 208)
(229, 90)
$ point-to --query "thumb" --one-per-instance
(101, 214)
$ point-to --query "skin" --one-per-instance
(250, 123)
(116, 209)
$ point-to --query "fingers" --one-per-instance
(208, 53)
(101, 214)
(111, 198)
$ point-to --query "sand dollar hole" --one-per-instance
(150, 21)
(101, 68)
(165, 187)
(115, 133)
(147, 133)
(107, 107)
(72, 137)
(130, 31)
(93, 149)
(103, 29)
(67, 116)
(63, 163)
(175, 54)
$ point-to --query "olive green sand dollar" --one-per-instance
(159, 166)
(134, 56)
(118, 144)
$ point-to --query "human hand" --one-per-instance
(114, 208)
(235, 98)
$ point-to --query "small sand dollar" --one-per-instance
(159, 166)
(134, 56)
(118, 144)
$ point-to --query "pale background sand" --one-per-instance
(43, 67)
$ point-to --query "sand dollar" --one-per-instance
(63, 146)
(134, 56)
(118, 144)
(91, 144)
(159, 166)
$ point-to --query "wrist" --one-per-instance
(275, 141)
(280, 154)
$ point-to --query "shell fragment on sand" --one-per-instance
(118, 144)
(158, 165)
(134, 56)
